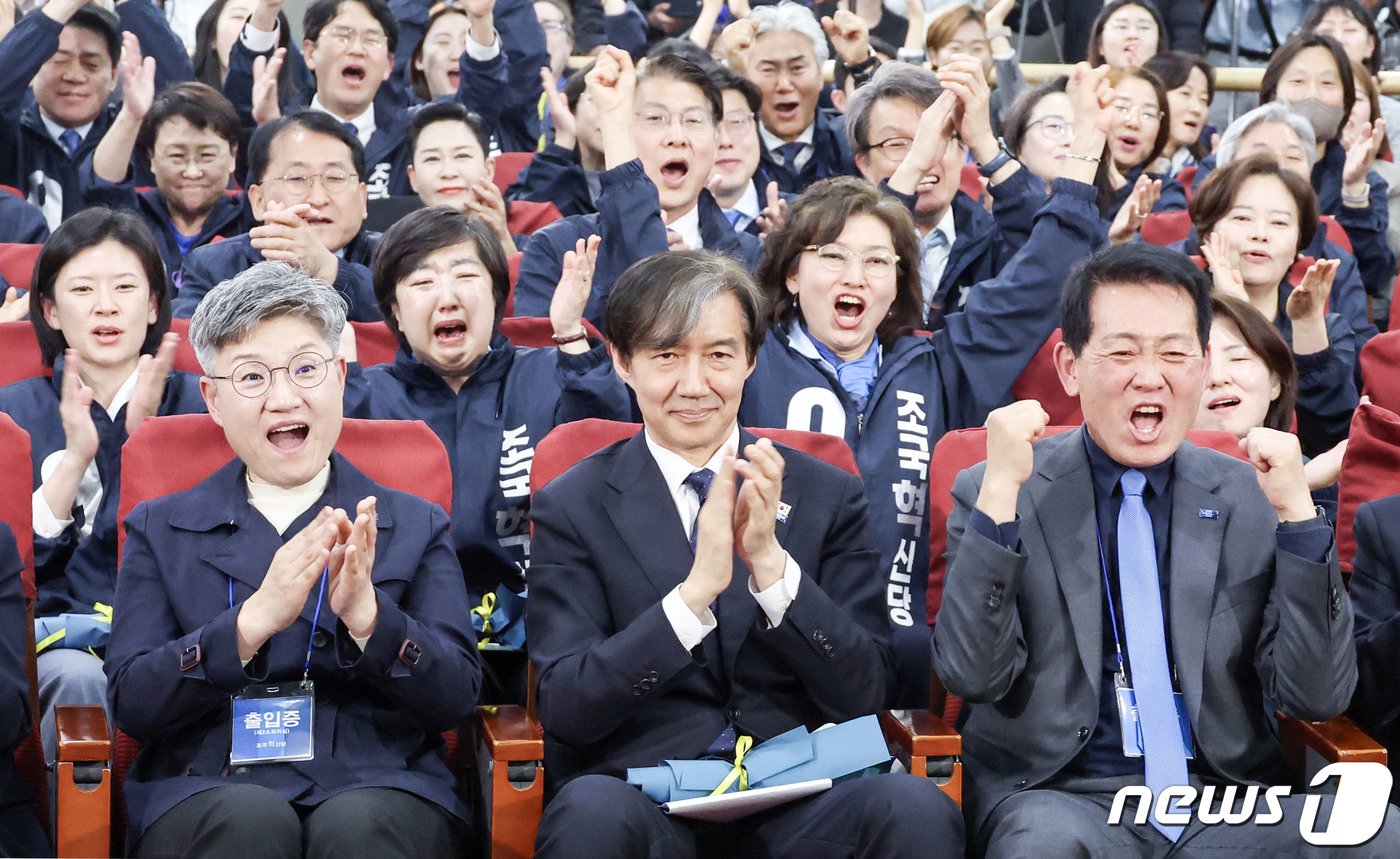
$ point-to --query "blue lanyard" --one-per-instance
(1108, 595)
(315, 619)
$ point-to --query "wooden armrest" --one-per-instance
(511, 734)
(82, 734)
(926, 735)
(1337, 739)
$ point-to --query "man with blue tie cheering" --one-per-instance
(673, 613)
(1125, 609)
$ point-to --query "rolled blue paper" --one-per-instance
(797, 755)
(81, 631)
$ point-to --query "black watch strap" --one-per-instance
(1002, 158)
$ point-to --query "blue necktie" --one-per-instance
(71, 140)
(350, 127)
(789, 152)
(733, 215)
(700, 482)
(1164, 753)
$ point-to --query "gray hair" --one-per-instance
(796, 17)
(658, 301)
(1272, 112)
(891, 80)
(268, 290)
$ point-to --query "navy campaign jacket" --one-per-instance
(21, 223)
(617, 689)
(20, 834)
(30, 159)
(831, 156)
(490, 428)
(926, 386)
(173, 665)
(504, 91)
(629, 221)
(207, 267)
(555, 176)
(78, 568)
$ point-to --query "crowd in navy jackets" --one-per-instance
(940, 196)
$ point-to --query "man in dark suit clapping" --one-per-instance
(671, 611)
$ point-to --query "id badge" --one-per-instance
(272, 723)
(1131, 727)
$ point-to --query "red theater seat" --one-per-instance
(19, 353)
(17, 263)
(508, 167)
(1041, 382)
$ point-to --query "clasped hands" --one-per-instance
(738, 518)
(332, 543)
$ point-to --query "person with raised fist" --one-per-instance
(1172, 596)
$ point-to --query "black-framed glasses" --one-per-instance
(252, 379)
(834, 257)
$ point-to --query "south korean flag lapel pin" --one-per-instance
(784, 509)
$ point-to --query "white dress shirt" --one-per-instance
(933, 255)
(688, 227)
(774, 601)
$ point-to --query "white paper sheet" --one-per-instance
(732, 806)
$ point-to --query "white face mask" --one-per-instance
(1325, 119)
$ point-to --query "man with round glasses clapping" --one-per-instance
(307, 192)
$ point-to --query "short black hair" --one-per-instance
(85, 230)
(658, 301)
(322, 12)
(103, 23)
(1136, 263)
(320, 122)
(726, 79)
(197, 103)
(446, 111)
(684, 49)
(677, 68)
(420, 233)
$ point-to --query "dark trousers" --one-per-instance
(876, 816)
(1075, 820)
(242, 820)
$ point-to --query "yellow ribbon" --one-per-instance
(484, 611)
(741, 748)
(101, 609)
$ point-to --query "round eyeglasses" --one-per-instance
(835, 257)
(252, 379)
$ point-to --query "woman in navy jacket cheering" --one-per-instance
(844, 357)
(289, 640)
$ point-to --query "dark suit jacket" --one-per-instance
(1375, 592)
(617, 689)
(1019, 634)
(378, 718)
